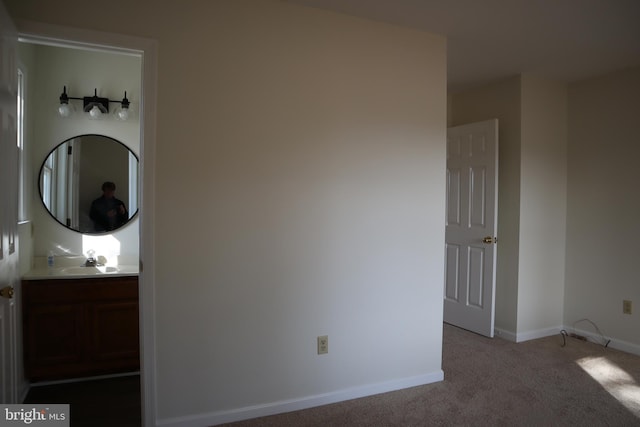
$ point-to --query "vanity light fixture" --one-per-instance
(94, 105)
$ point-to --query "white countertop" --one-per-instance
(81, 272)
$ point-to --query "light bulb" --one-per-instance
(123, 113)
(95, 112)
(64, 110)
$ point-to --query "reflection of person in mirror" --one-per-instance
(107, 212)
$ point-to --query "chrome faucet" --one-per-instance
(91, 260)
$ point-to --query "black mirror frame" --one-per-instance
(39, 184)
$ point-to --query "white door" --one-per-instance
(9, 270)
(470, 242)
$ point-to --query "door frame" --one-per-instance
(147, 48)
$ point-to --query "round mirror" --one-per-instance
(89, 183)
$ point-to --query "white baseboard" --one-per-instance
(526, 336)
(504, 334)
(625, 346)
(215, 418)
(613, 343)
(541, 333)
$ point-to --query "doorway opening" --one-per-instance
(471, 226)
(95, 43)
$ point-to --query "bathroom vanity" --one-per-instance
(79, 325)
(80, 314)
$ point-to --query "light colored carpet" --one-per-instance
(493, 382)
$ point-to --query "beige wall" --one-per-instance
(603, 205)
(300, 192)
(543, 195)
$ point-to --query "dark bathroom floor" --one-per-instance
(97, 403)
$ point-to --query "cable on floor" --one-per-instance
(564, 337)
(604, 341)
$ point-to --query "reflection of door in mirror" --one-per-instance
(133, 183)
(72, 175)
(59, 180)
(73, 180)
(46, 183)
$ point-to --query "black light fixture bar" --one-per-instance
(94, 101)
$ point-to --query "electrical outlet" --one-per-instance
(323, 344)
(626, 306)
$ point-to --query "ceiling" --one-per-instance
(487, 40)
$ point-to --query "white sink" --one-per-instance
(88, 270)
(72, 267)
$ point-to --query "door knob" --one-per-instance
(7, 292)
(490, 239)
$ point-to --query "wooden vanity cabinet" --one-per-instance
(80, 327)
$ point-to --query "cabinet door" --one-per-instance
(55, 338)
(114, 332)
(80, 327)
